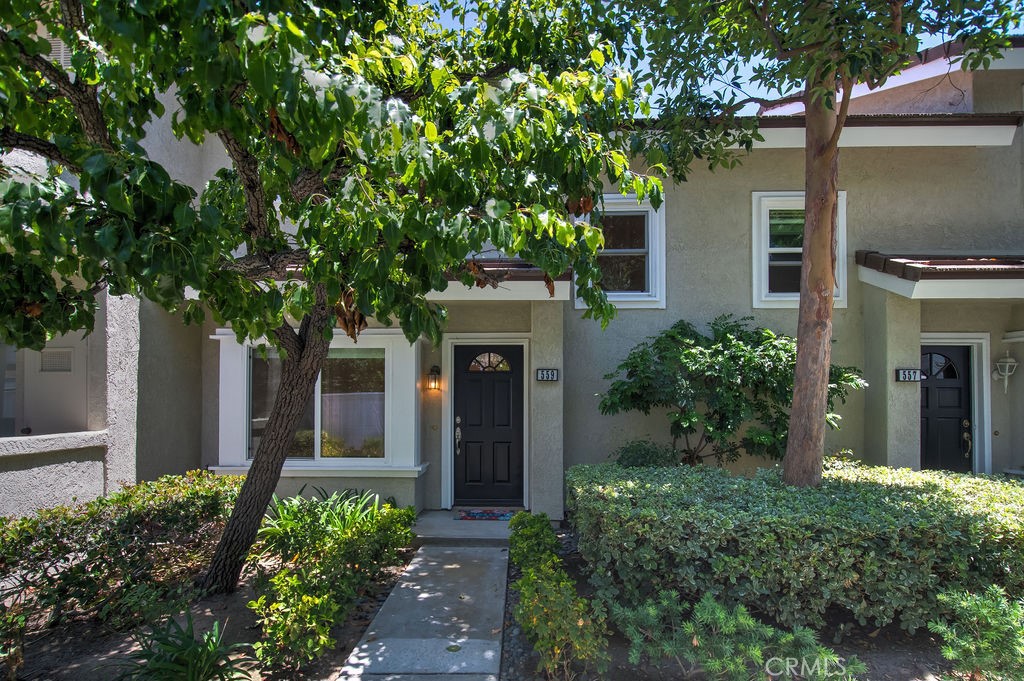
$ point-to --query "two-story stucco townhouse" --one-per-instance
(930, 278)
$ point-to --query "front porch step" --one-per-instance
(444, 528)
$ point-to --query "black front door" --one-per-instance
(488, 428)
(946, 428)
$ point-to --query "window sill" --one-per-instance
(333, 471)
(640, 302)
(791, 304)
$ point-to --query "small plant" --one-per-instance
(726, 393)
(563, 627)
(641, 453)
(985, 634)
(728, 644)
(330, 548)
(531, 541)
(172, 652)
(296, 617)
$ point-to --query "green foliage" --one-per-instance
(372, 151)
(296, 617)
(172, 652)
(724, 643)
(121, 559)
(726, 392)
(703, 57)
(642, 453)
(984, 635)
(328, 548)
(564, 628)
(870, 545)
(531, 540)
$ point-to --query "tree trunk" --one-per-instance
(802, 464)
(300, 369)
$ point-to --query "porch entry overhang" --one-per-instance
(511, 279)
(944, 277)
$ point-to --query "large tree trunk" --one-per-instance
(306, 351)
(802, 464)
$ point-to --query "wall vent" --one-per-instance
(60, 53)
(56, 359)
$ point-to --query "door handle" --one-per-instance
(458, 440)
(966, 437)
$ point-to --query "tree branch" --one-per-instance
(844, 109)
(781, 53)
(257, 227)
(262, 266)
(9, 139)
(83, 98)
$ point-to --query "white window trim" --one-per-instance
(763, 202)
(655, 297)
(401, 406)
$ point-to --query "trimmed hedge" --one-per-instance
(872, 544)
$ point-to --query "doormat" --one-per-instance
(485, 514)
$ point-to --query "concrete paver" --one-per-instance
(443, 620)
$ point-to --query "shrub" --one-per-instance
(725, 393)
(871, 544)
(329, 548)
(173, 653)
(563, 627)
(984, 636)
(725, 643)
(120, 559)
(531, 540)
(644, 453)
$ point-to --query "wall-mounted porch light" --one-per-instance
(434, 378)
(1005, 366)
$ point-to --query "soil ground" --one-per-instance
(80, 651)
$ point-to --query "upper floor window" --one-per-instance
(632, 261)
(778, 234)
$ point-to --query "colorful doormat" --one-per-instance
(485, 514)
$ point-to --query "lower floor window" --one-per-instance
(345, 417)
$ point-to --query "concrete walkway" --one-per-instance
(443, 620)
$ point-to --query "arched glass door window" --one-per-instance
(491, 362)
(938, 365)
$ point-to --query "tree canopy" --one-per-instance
(370, 152)
(709, 59)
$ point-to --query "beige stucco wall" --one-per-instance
(950, 93)
(998, 91)
(951, 200)
(170, 378)
(31, 482)
(404, 490)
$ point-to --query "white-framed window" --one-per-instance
(364, 413)
(632, 261)
(346, 410)
(778, 229)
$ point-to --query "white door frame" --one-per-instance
(980, 346)
(447, 404)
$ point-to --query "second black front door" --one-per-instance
(946, 429)
(488, 428)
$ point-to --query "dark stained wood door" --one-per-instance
(488, 428)
(947, 430)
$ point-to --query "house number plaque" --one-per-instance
(909, 376)
(547, 374)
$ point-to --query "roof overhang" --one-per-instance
(510, 280)
(944, 277)
(903, 130)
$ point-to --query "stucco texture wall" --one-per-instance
(911, 200)
(32, 482)
(170, 379)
